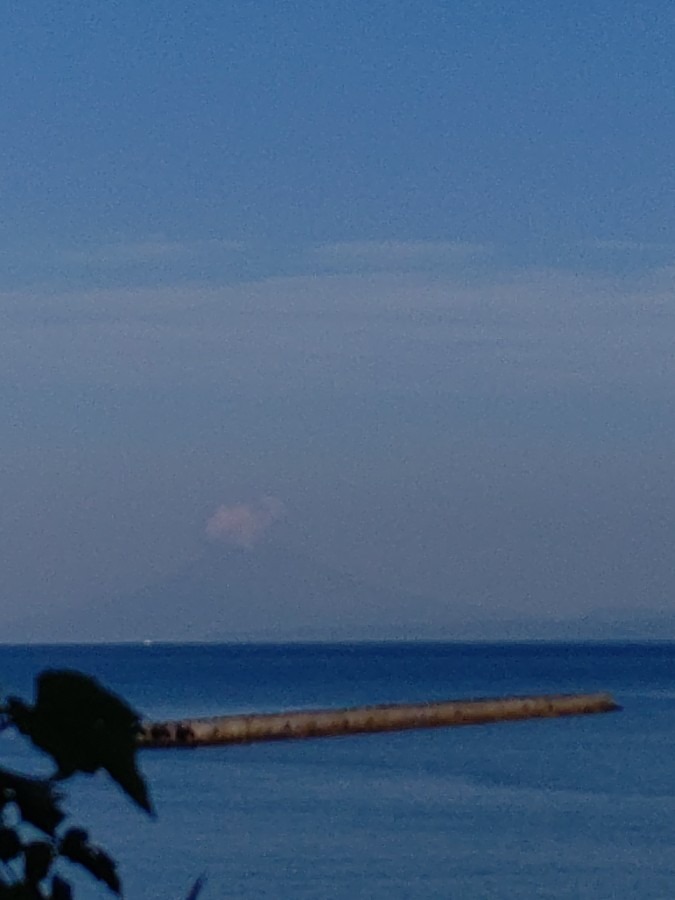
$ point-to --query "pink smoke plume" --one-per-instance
(243, 524)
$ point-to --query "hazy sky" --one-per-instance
(391, 280)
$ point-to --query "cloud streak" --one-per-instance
(303, 343)
(396, 256)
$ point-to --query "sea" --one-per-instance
(579, 807)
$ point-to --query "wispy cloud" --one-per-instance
(395, 256)
(123, 263)
(627, 246)
(124, 253)
(381, 334)
(159, 260)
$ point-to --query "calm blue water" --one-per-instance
(573, 808)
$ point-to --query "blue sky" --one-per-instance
(405, 267)
(527, 125)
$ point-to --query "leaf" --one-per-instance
(38, 857)
(83, 727)
(36, 798)
(124, 772)
(196, 888)
(21, 891)
(10, 845)
(61, 889)
(75, 846)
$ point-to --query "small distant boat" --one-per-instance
(148, 643)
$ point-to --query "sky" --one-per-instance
(389, 285)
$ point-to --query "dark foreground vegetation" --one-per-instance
(83, 728)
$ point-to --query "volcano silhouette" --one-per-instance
(264, 593)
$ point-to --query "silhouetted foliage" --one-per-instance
(83, 728)
(196, 889)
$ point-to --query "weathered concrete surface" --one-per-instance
(244, 729)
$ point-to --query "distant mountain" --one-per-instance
(271, 593)
(265, 593)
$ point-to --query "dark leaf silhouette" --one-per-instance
(83, 727)
(61, 889)
(10, 844)
(36, 799)
(75, 846)
(196, 888)
(21, 891)
(37, 860)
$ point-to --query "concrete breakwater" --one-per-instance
(298, 724)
